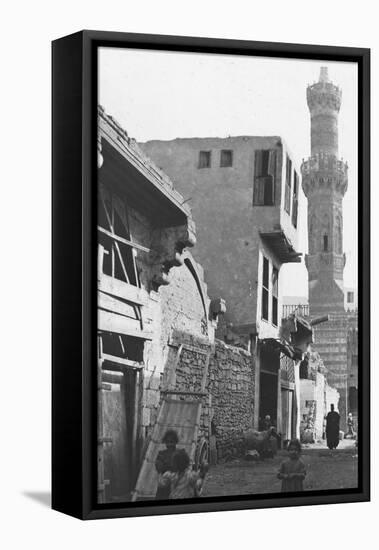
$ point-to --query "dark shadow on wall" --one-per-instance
(42, 497)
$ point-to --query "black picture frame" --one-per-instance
(74, 133)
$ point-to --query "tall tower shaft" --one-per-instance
(324, 180)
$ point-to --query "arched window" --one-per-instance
(325, 243)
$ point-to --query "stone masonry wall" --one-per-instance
(231, 386)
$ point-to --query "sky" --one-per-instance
(165, 95)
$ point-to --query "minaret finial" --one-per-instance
(324, 75)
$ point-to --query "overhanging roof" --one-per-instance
(283, 347)
(281, 246)
(126, 167)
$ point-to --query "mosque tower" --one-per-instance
(324, 180)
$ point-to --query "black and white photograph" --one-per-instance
(227, 276)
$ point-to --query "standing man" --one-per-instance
(332, 428)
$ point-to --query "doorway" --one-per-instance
(120, 381)
(119, 429)
(268, 385)
(287, 414)
(268, 402)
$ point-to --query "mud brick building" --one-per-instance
(244, 194)
(149, 291)
(156, 324)
(324, 181)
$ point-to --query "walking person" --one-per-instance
(332, 428)
(292, 471)
(350, 427)
(163, 462)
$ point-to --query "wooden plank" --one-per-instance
(135, 420)
(184, 418)
(102, 440)
(112, 377)
(114, 305)
(101, 486)
(115, 287)
(127, 363)
(117, 248)
(112, 322)
(205, 373)
(179, 392)
(100, 448)
(171, 374)
(190, 347)
(123, 240)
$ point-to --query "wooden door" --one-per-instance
(287, 414)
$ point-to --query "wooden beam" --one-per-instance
(112, 304)
(115, 287)
(122, 240)
(112, 322)
(179, 392)
(127, 363)
(110, 377)
(190, 347)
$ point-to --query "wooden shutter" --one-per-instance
(258, 198)
(287, 196)
(295, 199)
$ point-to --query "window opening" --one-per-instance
(265, 289)
(205, 159)
(264, 177)
(295, 198)
(287, 195)
(275, 276)
(226, 158)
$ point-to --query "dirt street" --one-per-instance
(326, 469)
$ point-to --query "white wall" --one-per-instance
(313, 390)
(27, 28)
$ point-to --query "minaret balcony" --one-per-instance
(324, 163)
(324, 171)
(324, 96)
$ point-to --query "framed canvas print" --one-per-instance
(210, 274)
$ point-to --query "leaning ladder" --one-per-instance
(178, 413)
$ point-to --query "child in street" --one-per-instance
(292, 471)
(163, 462)
(182, 481)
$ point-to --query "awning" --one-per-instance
(281, 246)
(283, 347)
(128, 169)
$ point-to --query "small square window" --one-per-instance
(226, 158)
(205, 159)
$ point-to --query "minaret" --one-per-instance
(324, 179)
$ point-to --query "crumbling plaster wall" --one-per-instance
(179, 315)
(312, 403)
